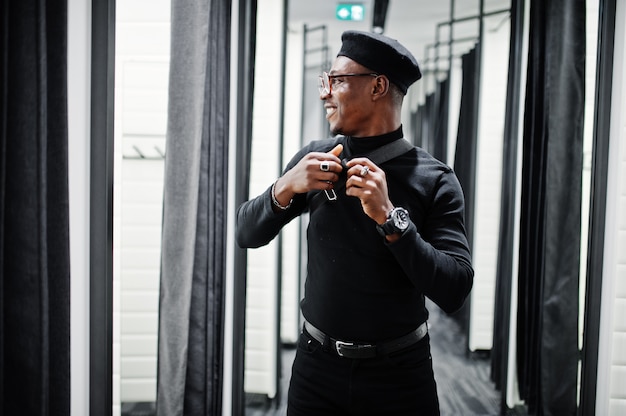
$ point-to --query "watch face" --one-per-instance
(400, 218)
(397, 222)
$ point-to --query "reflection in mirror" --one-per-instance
(141, 74)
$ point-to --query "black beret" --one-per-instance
(382, 55)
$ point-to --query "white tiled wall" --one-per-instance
(488, 181)
(261, 352)
(617, 403)
(140, 250)
(142, 65)
(611, 390)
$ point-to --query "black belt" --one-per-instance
(365, 350)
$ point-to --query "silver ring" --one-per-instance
(364, 171)
(324, 166)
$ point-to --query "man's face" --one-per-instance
(349, 105)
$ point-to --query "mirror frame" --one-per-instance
(101, 208)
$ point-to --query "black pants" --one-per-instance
(397, 384)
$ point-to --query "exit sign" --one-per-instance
(350, 11)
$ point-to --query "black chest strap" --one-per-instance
(379, 156)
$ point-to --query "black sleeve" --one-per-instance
(256, 222)
(437, 260)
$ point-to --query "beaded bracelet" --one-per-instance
(275, 201)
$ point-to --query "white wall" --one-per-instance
(611, 387)
(261, 352)
(486, 232)
(141, 82)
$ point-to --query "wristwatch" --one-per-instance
(397, 222)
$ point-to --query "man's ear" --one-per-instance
(380, 87)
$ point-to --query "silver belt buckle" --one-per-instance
(350, 346)
(340, 344)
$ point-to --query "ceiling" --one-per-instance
(412, 22)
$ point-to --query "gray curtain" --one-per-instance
(34, 210)
(431, 121)
(440, 122)
(550, 220)
(467, 136)
(190, 357)
(597, 212)
(466, 146)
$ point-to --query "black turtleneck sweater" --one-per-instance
(359, 287)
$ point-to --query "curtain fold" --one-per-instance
(34, 210)
(418, 122)
(191, 314)
(467, 141)
(465, 153)
(440, 120)
(550, 224)
(426, 127)
(431, 121)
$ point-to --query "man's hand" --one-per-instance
(368, 182)
(316, 170)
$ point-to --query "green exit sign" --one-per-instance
(350, 11)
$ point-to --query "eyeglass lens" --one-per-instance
(324, 84)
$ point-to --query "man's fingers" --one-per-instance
(363, 161)
(337, 150)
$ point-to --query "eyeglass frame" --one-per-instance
(325, 86)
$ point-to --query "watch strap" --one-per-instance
(387, 228)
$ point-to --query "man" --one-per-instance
(381, 236)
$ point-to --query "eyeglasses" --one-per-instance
(326, 81)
